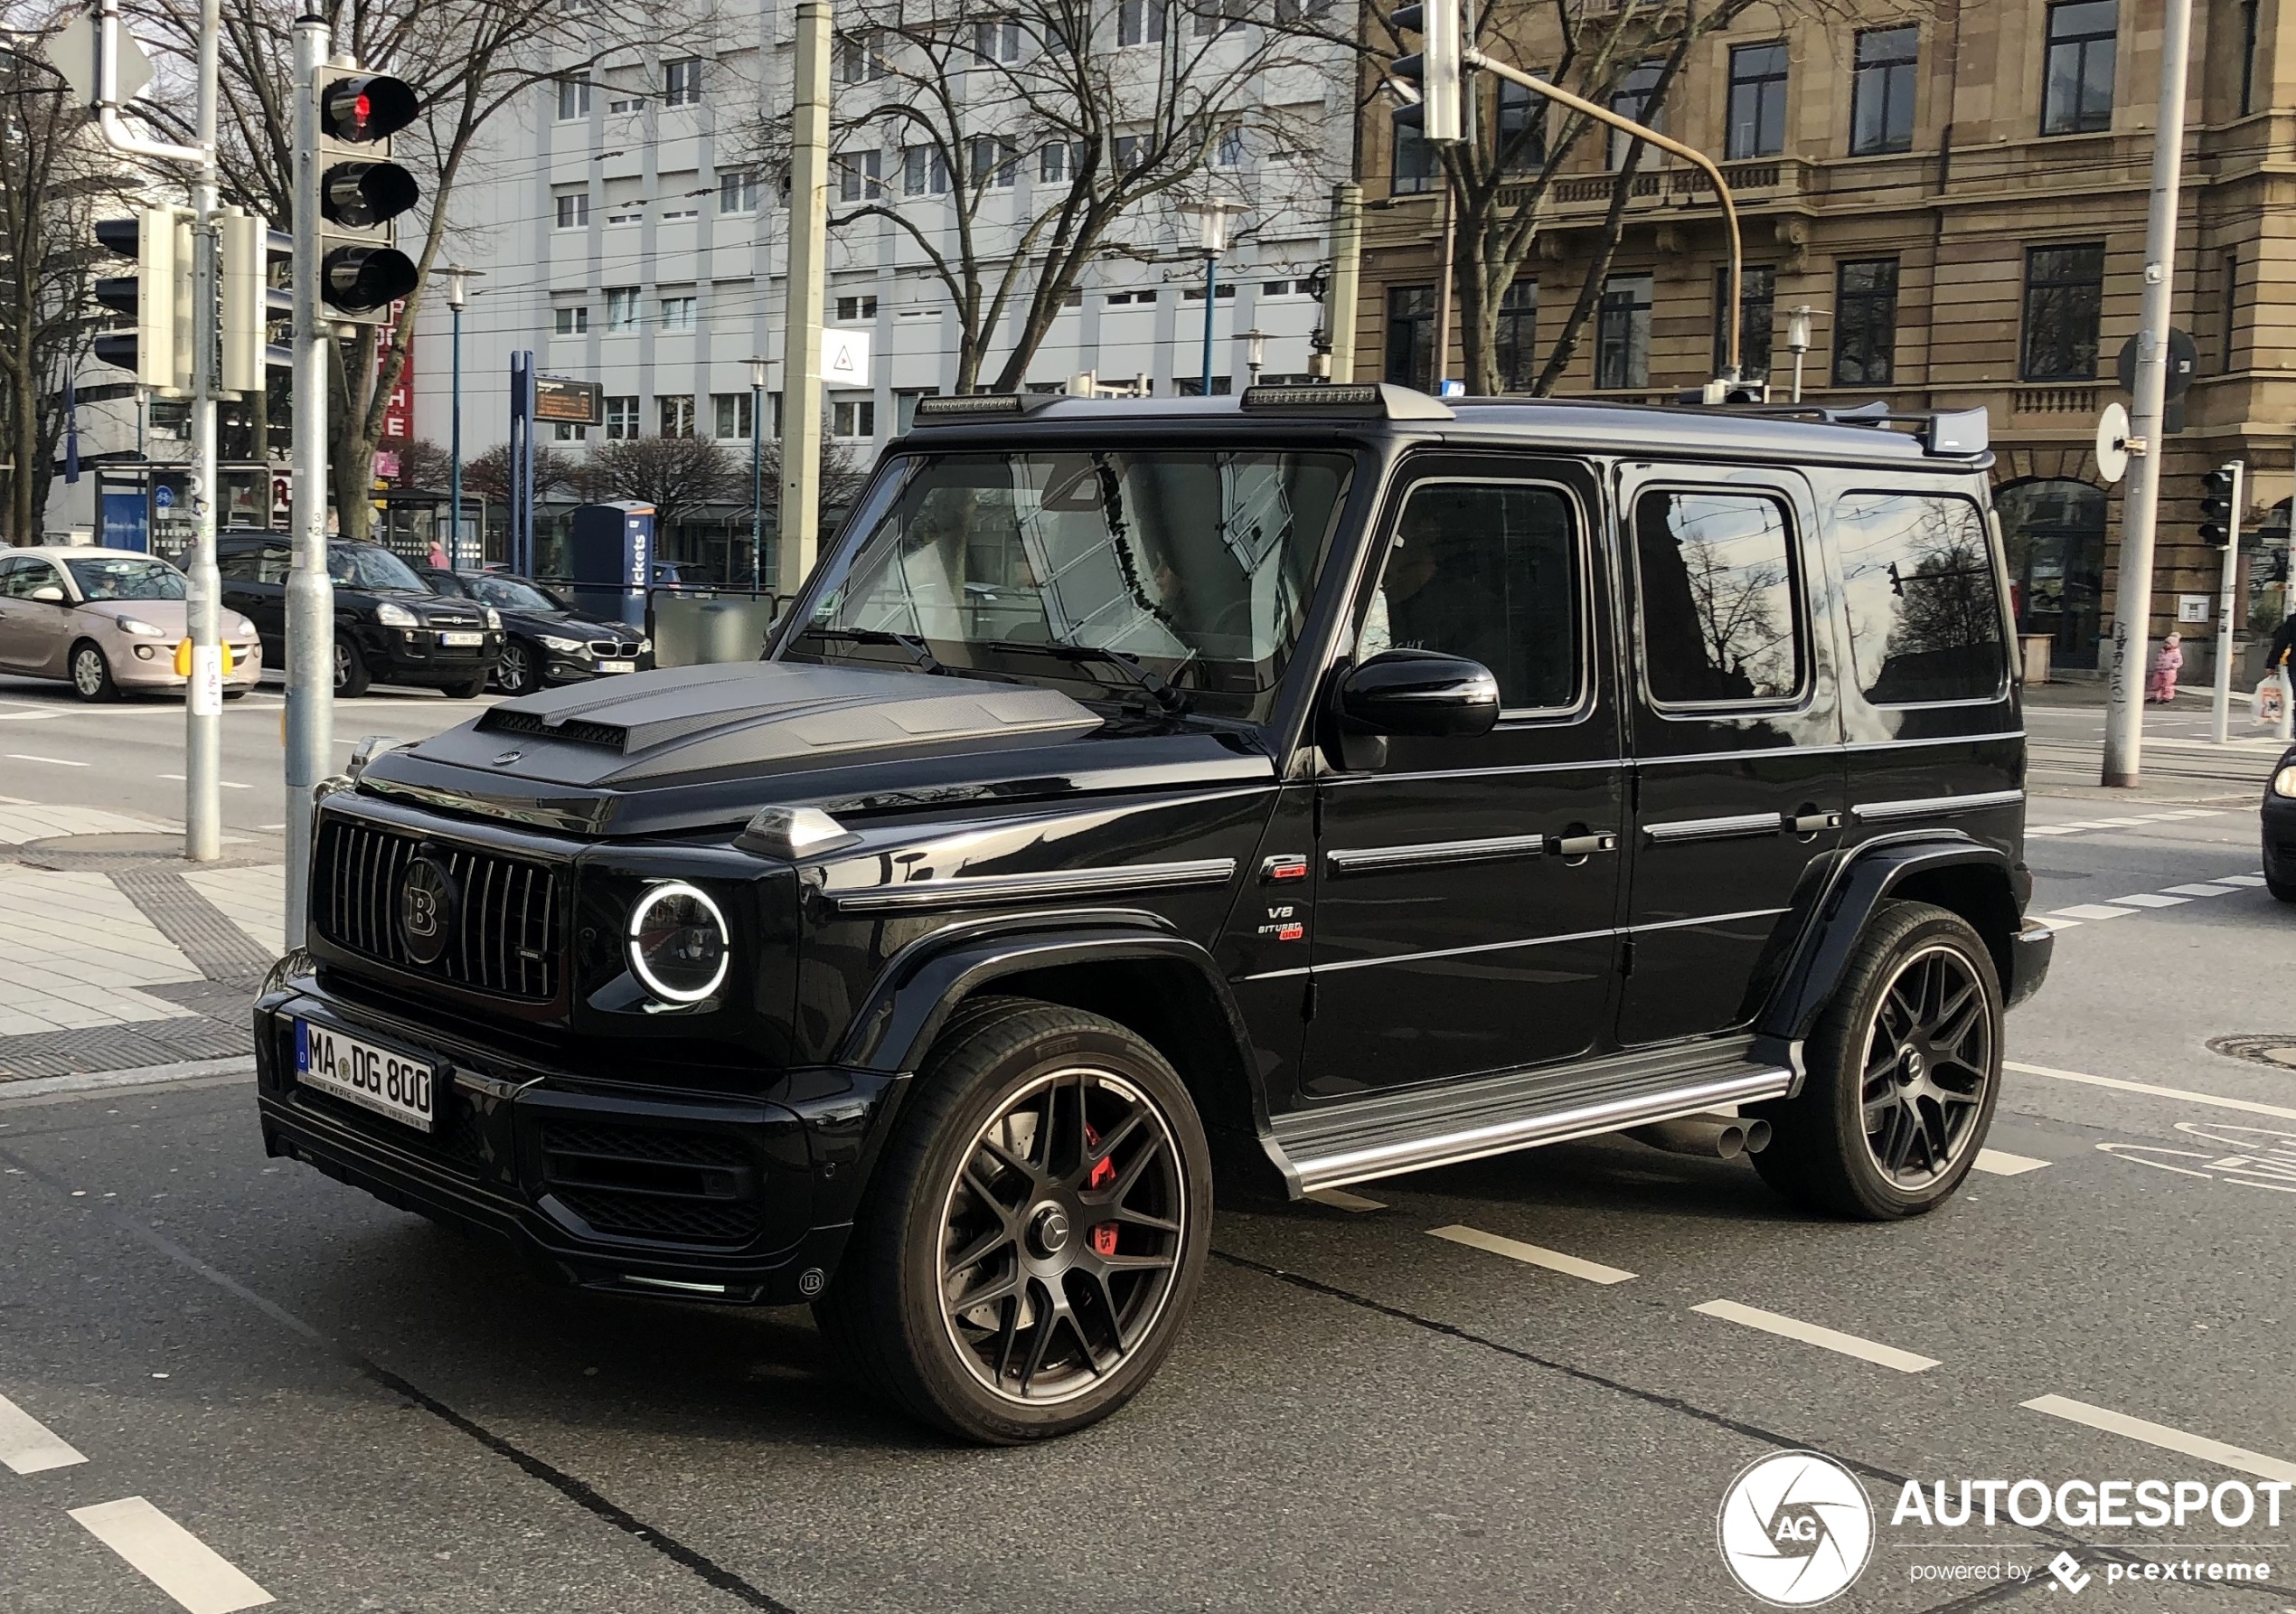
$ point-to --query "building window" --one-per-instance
(621, 419)
(626, 103)
(997, 39)
(1517, 346)
(1865, 322)
(2076, 99)
(994, 162)
(904, 406)
(1521, 132)
(1757, 101)
(573, 99)
(1411, 335)
(734, 414)
(1413, 164)
(1218, 17)
(1757, 306)
(626, 215)
(573, 210)
(1632, 100)
(2229, 300)
(2063, 297)
(1139, 23)
(738, 193)
(682, 82)
(677, 312)
(679, 215)
(852, 310)
(1059, 162)
(1230, 152)
(570, 322)
(860, 175)
(567, 431)
(621, 308)
(1623, 332)
(1195, 294)
(1881, 91)
(1117, 299)
(1192, 386)
(925, 172)
(853, 416)
(2249, 27)
(677, 414)
(860, 57)
(1131, 152)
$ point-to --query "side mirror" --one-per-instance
(1420, 692)
(53, 593)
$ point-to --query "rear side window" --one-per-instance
(1718, 593)
(1488, 571)
(1925, 611)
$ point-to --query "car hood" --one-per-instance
(166, 614)
(567, 624)
(690, 747)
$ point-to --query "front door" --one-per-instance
(38, 633)
(255, 574)
(1466, 899)
(1738, 763)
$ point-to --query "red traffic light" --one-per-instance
(359, 108)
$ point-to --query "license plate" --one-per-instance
(461, 641)
(617, 666)
(382, 1080)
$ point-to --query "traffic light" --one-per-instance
(250, 302)
(360, 191)
(2220, 503)
(1436, 70)
(158, 297)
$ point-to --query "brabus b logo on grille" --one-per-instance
(426, 909)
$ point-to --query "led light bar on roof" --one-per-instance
(1371, 399)
(978, 406)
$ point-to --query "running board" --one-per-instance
(1352, 1142)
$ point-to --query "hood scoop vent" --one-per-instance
(503, 720)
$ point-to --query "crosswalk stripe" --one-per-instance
(1554, 1260)
(2094, 911)
(2001, 1162)
(2163, 1436)
(28, 1446)
(1831, 1339)
(171, 1557)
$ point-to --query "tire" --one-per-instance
(987, 1155)
(351, 675)
(92, 679)
(237, 694)
(1905, 1070)
(469, 691)
(519, 672)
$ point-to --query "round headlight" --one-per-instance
(679, 945)
(2285, 781)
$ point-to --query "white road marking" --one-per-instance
(227, 784)
(28, 1446)
(198, 1577)
(2094, 911)
(2163, 1436)
(2001, 1162)
(1831, 1339)
(52, 761)
(2145, 899)
(1340, 1199)
(2201, 890)
(27, 717)
(2054, 923)
(1554, 1260)
(2250, 879)
(2217, 1101)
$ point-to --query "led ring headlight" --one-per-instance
(678, 943)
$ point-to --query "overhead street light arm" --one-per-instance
(115, 132)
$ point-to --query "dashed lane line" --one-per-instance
(52, 761)
(1554, 1260)
(2001, 1162)
(2163, 1435)
(2183, 1095)
(2201, 889)
(1831, 1339)
(198, 1577)
(1340, 1199)
(28, 1446)
(227, 784)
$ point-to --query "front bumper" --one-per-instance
(415, 656)
(647, 1189)
(2280, 838)
(137, 670)
(578, 666)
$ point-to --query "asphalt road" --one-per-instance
(360, 1411)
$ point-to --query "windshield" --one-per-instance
(1197, 565)
(509, 594)
(365, 566)
(117, 577)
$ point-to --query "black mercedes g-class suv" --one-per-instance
(1301, 788)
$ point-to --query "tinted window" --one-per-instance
(1925, 615)
(506, 593)
(260, 562)
(1487, 572)
(1718, 580)
(370, 566)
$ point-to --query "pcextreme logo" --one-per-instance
(1795, 1529)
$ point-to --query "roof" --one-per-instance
(78, 550)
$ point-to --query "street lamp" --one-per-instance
(1254, 352)
(1798, 342)
(1211, 220)
(457, 277)
(757, 472)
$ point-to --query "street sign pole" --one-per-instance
(2140, 508)
(801, 400)
(2222, 713)
(203, 606)
(310, 599)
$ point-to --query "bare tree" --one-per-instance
(675, 475)
(488, 475)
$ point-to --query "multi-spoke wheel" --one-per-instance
(1035, 1231)
(1905, 1066)
(92, 677)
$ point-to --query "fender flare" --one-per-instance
(1861, 883)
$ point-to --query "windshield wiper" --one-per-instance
(1168, 700)
(927, 662)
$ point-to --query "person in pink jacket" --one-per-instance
(2166, 663)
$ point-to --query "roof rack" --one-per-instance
(1960, 433)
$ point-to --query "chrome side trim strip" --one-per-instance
(1365, 860)
(1502, 947)
(1356, 1166)
(970, 891)
(1934, 807)
(1706, 919)
(1713, 829)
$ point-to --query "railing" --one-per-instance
(2053, 401)
(1688, 184)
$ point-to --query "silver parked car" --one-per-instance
(107, 620)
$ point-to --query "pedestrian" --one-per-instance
(2166, 663)
(2283, 645)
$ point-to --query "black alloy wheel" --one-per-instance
(92, 679)
(1036, 1232)
(1904, 1074)
(519, 672)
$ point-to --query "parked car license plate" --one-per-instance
(461, 641)
(382, 1080)
(617, 666)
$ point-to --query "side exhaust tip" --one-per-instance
(1708, 1137)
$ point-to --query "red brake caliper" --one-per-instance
(1104, 1236)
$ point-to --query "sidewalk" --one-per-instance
(2181, 764)
(116, 955)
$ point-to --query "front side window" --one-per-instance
(1623, 332)
(1719, 621)
(1194, 564)
(1881, 91)
(2077, 97)
(1757, 308)
(1489, 571)
(1518, 336)
(1925, 611)
(1757, 101)
(1865, 338)
(2064, 300)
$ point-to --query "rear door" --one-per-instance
(1735, 732)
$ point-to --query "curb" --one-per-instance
(33, 1087)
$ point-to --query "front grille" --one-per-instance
(505, 935)
(652, 1182)
(613, 651)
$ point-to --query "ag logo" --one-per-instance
(1795, 1529)
(426, 909)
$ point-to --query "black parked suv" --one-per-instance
(1296, 790)
(545, 641)
(389, 627)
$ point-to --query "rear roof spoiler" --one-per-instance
(1951, 433)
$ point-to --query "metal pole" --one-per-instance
(801, 400)
(310, 597)
(757, 481)
(455, 430)
(2133, 608)
(1211, 301)
(2222, 714)
(1347, 269)
(1441, 357)
(203, 606)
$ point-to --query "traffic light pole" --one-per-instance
(800, 519)
(203, 606)
(2221, 708)
(310, 602)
